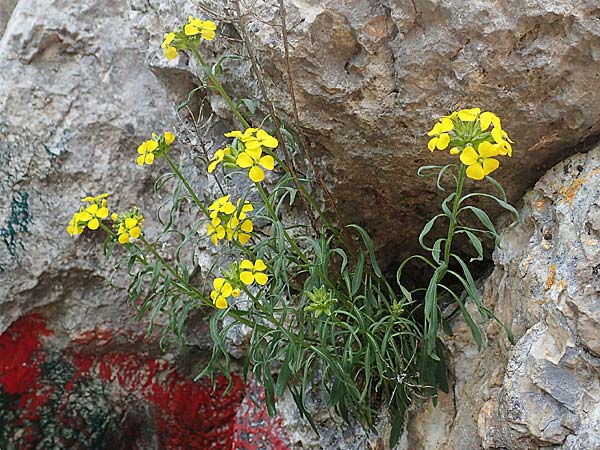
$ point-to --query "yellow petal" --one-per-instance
(468, 115)
(149, 159)
(255, 153)
(469, 156)
(244, 160)
(114, 217)
(475, 171)
(140, 160)
(485, 120)
(212, 166)
(190, 30)
(234, 134)
(151, 145)
(497, 135)
(243, 238)
(221, 303)
(446, 125)
(170, 53)
(135, 232)
(431, 144)
(435, 130)
(220, 232)
(260, 265)
(247, 278)
(209, 25)
(256, 174)
(246, 264)
(443, 141)
(208, 35)
(168, 39)
(454, 151)
(252, 144)
(130, 223)
(236, 293)
(226, 290)
(267, 162)
(93, 224)
(218, 283)
(246, 226)
(102, 212)
(169, 138)
(124, 238)
(261, 278)
(487, 149)
(228, 208)
(489, 165)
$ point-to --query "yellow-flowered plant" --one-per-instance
(229, 221)
(156, 147)
(467, 133)
(188, 36)
(89, 216)
(317, 303)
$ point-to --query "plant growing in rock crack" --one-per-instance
(314, 298)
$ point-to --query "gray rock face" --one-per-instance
(544, 391)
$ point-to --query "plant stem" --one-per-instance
(187, 186)
(219, 87)
(453, 222)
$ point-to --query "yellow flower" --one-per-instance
(488, 118)
(261, 139)
(444, 125)
(90, 216)
(251, 159)
(253, 272)
(503, 141)
(440, 142)
(206, 29)
(169, 137)
(480, 163)
(146, 152)
(468, 115)
(74, 227)
(169, 51)
(440, 131)
(217, 158)
(239, 229)
(216, 232)
(221, 205)
(129, 228)
(222, 290)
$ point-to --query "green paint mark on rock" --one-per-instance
(17, 222)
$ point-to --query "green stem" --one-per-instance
(187, 186)
(219, 87)
(274, 216)
(453, 222)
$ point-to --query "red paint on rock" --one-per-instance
(21, 354)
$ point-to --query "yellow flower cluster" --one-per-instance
(229, 221)
(155, 147)
(251, 143)
(128, 225)
(189, 35)
(89, 216)
(243, 274)
(467, 133)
